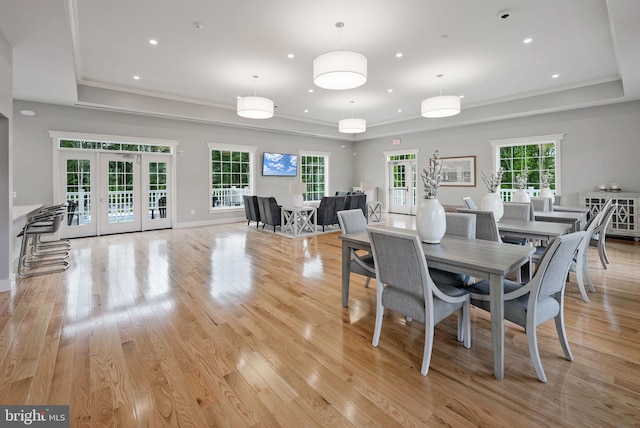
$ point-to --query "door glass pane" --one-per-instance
(78, 193)
(120, 192)
(157, 192)
(399, 184)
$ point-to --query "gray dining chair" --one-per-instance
(517, 211)
(580, 264)
(600, 233)
(405, 286)
(458, 224)
(486, 226)
(541, 204)
(352, 221)
(539, 300)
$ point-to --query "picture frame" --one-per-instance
(458, 171)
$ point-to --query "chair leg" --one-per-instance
(602, 250)
(587, 277)
(366, 283)
(378, 327)
(428, 347)
(562, 335)
(532, 339)
(580, 280)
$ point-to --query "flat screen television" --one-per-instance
(279, 164)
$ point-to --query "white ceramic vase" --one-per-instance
(431, 221)
(493, 202)
(521, 195)
(546, 192)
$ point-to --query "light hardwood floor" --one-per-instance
(230, 326)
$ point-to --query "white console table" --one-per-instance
(295, 220)
(626, 218)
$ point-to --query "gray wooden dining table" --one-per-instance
(473, 257)
(576, 220)
(532, 230)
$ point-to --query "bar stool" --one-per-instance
(39, 257)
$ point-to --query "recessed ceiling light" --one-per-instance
(399, 110)
(153, 42)
(555, 76)
(306, 111)
(399, 55)
(290, 55)
(389, 90)
(198, 25)
(310, 91)
(527, 40)
(27, 112)
(136, 77)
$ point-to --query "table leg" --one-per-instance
(496, 302)
(346, 273)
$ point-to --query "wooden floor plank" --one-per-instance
(232, 326)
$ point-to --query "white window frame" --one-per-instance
(252, 175)
(556, 139)
(327, 157)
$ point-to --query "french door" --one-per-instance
(120, 204)
(115, 192)
(402, 189)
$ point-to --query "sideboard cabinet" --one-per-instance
(625, 220)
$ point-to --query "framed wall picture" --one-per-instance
(458, 171)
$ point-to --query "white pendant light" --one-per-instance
(254, 107)
(440, 106)
(352, 125)
(340, 69)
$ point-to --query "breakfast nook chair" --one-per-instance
(405, 286)
(539, 300)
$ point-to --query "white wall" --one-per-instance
(601, 145)
(6, 217)
(33, 167)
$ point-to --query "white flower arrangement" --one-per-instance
(493, 183)
(545, 180)
(521, 179)
(431, 177)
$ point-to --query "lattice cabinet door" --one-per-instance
(625, 220)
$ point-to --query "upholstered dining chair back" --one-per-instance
(405, 286)
(461, 224)
(486, 226)
(352, 221)
(518, 210)
(541, 204)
